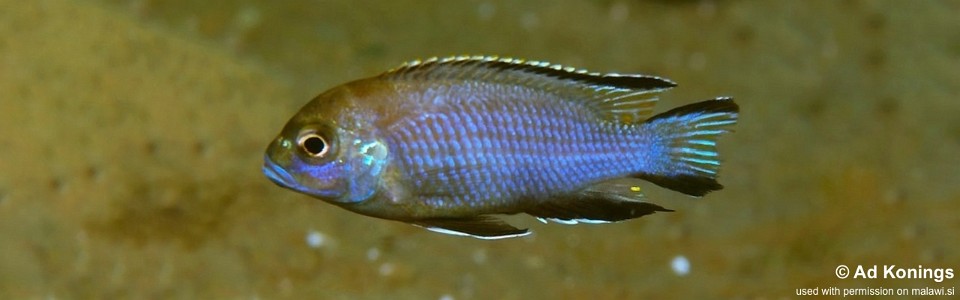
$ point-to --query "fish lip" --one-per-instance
(275, 173)
(284, 179)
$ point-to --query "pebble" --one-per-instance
(680, 265)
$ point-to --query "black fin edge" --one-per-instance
(720, 104)
(688, 184)
(592, 210)
(630, 81)
(482, 227)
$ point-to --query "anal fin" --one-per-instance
(482, 227)
(608, 201)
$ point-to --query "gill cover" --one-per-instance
(326, 162)
(363, 167)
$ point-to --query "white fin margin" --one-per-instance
(572, 221)
(457, 233)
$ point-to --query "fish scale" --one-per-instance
(540, 167)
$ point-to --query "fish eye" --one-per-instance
(313, 144)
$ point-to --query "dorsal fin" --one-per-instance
(627, 98)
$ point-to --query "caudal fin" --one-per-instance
(686, 158)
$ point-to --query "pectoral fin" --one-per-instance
(609, 201)
(482, 227)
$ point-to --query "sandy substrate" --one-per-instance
(132, 135)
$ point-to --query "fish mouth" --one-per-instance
(278, 175)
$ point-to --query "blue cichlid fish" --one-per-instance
(445, 144)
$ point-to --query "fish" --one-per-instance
(452, 144)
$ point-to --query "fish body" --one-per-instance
(446, 144)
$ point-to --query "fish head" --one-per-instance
(329, 150)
